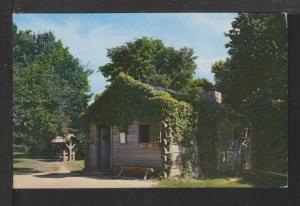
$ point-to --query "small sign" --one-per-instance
(122, 138)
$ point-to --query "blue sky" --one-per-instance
(89, 35)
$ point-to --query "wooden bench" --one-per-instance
(135, 169)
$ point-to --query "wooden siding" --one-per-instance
(93, 134)
(132, 152)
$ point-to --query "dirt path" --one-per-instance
(62, 178)
(62, 169)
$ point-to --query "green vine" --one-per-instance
(216, 124)
(187, 120)
(127, 99)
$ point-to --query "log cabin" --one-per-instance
(132, 125)
(111, 149)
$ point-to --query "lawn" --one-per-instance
(255, 178)
(194, 183)
(74, 166)
(25, 164)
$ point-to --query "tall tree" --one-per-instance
(254, 81)
(199, 85)
(150, 61)
(50, 90)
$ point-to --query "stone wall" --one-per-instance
(171, 153)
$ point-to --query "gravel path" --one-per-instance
(62, 178)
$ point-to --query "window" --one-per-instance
(144, 133)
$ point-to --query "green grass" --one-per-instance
(74, 166)
(192, 183)
(260, 178)
(24, 164)
(255, 178)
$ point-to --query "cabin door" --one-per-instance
(104, 157)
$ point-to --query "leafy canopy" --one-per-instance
(253, 80)
(127, 99)
(192, 120)
(50, 90)
(150, 61)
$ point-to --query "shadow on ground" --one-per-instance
(254, 178)
(79, 174)
(25, 155)
(259, 178)
(24, 171)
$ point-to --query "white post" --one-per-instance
(70, 147)
(64, 156)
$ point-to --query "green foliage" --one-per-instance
(214, 124)
(253, 178)
(253, 80)
(207, 137)
(203, 183)
(127, 99)
(199, 85)
(27, 164)
(50, 90)
(150, 61)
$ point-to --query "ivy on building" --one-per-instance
(186, 120)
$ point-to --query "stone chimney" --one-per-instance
(212, 96)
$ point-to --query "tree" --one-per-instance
(150, 61)
(253, 80)
(199, 85)
(50, 91)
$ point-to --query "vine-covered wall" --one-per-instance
(222, 138)
(126, 100)
(188, 125)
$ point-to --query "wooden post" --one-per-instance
(70, 147)
(165, 148)
(121, 171)
(72, 158)
(65, 156)
(146, 174)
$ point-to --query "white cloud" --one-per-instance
(88, 40)
(90, 47)
(204, 67)
(216, 23)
